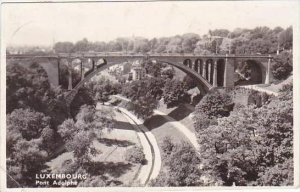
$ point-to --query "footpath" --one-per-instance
(180, 127)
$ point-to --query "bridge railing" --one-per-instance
(124, 54)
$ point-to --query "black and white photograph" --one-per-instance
(166, 94)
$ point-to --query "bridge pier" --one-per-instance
(204, 70)
(215, 74)
(70, 86)
(228, 73)
(267, 80)
(209, 72)
(81, 70)
(58, 71)
(93, 63)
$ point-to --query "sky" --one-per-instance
(46, 23)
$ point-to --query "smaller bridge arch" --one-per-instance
(188, 63)
(209, 70)
(220, 72)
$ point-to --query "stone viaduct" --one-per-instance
(208, 70)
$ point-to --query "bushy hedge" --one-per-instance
(283, 65)
(135, 155)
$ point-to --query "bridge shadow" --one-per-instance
(180, 113)
(155, 122)
(122, 125)
(114, 169)
(115, 142)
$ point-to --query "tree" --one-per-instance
(219, 32)
(283, 65)
(175, 45)
(83, 97)
(30, 88)
(226, 46)
(79, 136)
(168, 73)
(81, 146)
(154, 69)
(141, 45)
(286, 38)
(143, 107)
(155, 87)
(63, 47)
(143, 102)
(82, 46)
(67, 130)
(28, 123)
(189, 42)
(26, 87)
(189, 82)
(174, 93)
(135, 155)
(28, 139)
(252, 146)
(182, 168)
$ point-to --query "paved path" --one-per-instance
(150, 147)
(260, 89)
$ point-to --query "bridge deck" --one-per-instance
(104, 55)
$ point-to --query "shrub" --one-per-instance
(286, 88)
(283, 65)
(215, 104)
(255, 99)
(167, 146)
(182, 168)
(135, 155)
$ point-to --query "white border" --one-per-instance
(296, 82)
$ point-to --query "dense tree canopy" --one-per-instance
(78, 135)
(28, 138)
(262, 40)
(283, 65)
(140, 92)
(30, 88)
(251, 146)
(175, 92)
(181, 164)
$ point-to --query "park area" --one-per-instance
(112, 147)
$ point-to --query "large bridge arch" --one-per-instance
(253, 72)
(203, 85)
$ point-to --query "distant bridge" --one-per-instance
(208, 70)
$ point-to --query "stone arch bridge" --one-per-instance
(208, 70)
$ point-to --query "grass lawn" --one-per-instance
(161, 129)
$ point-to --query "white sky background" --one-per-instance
(41, 23)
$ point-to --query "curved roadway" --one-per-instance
(150, 148)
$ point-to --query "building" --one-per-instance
(137, 71)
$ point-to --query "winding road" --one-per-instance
(150, 148)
